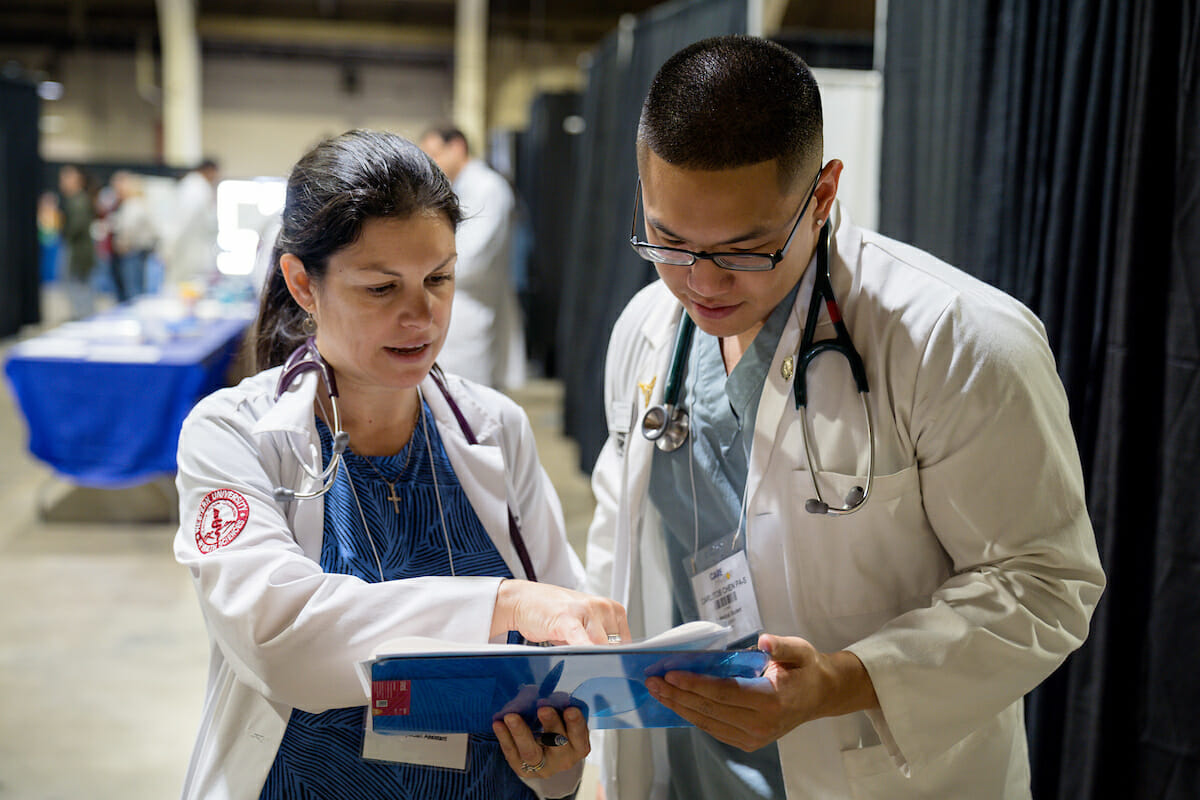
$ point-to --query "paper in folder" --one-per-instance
(437, 687)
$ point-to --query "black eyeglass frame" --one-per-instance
(770, 260)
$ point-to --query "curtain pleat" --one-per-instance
(1051, 149)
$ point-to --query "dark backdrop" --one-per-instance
(546, 180)
(19, 184)
(602, 272)
(1052, 148)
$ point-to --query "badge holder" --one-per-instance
(722, 586)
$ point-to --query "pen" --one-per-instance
(548, 739)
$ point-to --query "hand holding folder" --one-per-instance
(432, 686)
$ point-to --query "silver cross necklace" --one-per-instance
(392, 497)
(436, 491)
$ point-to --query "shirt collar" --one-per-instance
(745, 383)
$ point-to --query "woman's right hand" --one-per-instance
(542, 612)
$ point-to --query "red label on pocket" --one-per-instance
(390, 698)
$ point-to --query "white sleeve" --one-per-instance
(1002, 488)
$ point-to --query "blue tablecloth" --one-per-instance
(105, 398)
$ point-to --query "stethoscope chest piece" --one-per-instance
(665, 425)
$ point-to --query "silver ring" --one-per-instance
(614, 638)
(534, 768)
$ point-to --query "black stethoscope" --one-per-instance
(667, 424)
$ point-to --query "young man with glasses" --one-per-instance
(905, 622)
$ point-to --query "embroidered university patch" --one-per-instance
(223, 514)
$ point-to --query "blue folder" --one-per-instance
(451, 693)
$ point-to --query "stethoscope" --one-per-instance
(667, 424)
(306, 358)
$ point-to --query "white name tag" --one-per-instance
(447, 750)
(725, 593)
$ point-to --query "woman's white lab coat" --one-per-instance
(966, 579)
(287, 635)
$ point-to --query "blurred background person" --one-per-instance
(78, 248)
(49, 223)
(134, 234)
(190, 248)
(486, 341)
(106, 278)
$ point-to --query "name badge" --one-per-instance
(724, 590)
(448, 750)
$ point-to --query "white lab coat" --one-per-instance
(486, 339)
(285, 634)
(967, 578)
(189, 249)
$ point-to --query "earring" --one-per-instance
(308, 325)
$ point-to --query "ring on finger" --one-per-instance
(533, 769)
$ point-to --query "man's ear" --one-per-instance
(298, 281)
(826, 191)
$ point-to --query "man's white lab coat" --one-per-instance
(968, 576)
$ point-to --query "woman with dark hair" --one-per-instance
(351, 492)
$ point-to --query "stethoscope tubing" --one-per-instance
(305, 359)
(666, 424)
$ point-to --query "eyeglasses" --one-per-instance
(741, 262)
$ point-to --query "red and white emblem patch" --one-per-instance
(223, 515)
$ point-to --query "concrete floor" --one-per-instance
(103, 651)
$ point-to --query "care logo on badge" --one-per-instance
(223, 515)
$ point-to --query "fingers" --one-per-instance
(528, 757)
(521, 751)
(787, 649)
(577, 731)
(546, 613)
(738, 725)
(754, 694)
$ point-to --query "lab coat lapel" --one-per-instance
(479, 467)
(777, 427)
(652, 369)
(777, 421)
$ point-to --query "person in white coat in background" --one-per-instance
(486, 342)
(189, 247)
(905, 535)
(351, 493)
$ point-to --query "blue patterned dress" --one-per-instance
(321, 754)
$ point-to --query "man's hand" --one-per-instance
(798, 685)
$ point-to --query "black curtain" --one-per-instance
(1053, 149)
(602, 272)
(19, 183)
(546, 178)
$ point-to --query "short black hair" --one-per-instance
(732, 101)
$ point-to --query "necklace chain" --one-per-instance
(436, 493)
(394, 498)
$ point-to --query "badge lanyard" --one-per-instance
(721, 583)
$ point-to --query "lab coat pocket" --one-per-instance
(884, 557)
(980, 766)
